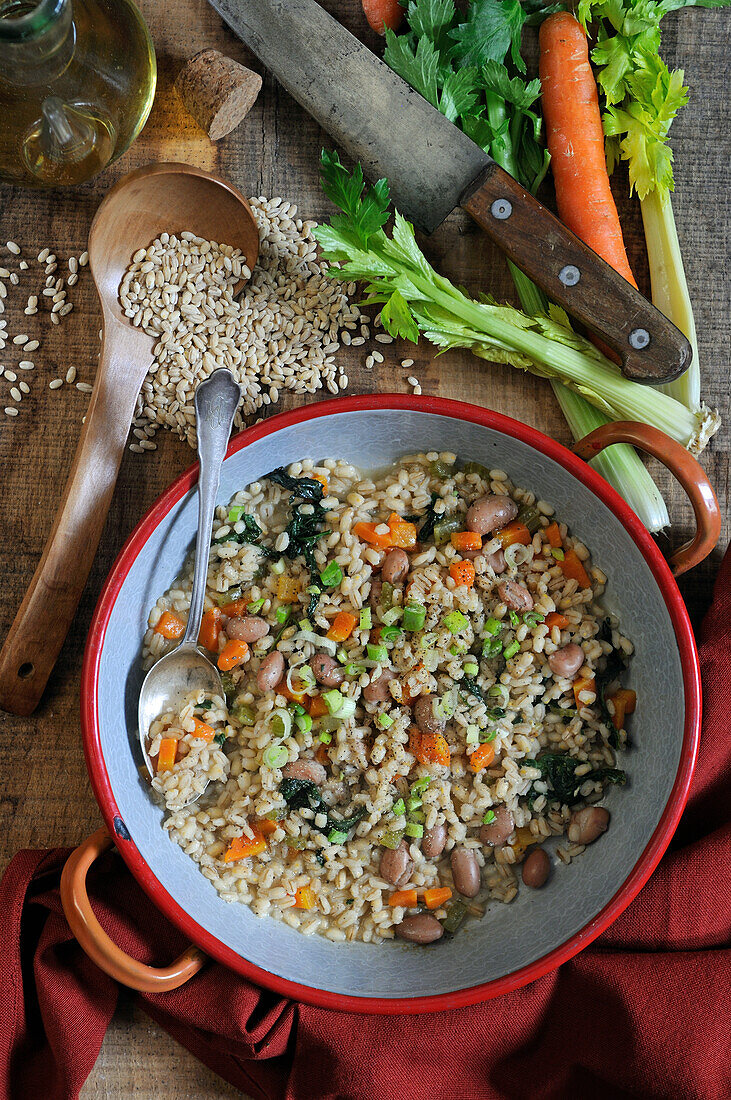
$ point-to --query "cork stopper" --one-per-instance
(217, 92)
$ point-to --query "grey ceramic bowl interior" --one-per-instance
(509, 937)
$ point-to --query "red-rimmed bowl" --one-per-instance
(513, 944)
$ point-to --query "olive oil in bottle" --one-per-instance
(77, 80)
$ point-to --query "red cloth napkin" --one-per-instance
(644, 1012)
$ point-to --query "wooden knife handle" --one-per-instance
(650, 347)
(44, 617)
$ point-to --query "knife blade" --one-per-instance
(432, 167)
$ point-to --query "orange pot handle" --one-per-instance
(686, 469)
(97, 944)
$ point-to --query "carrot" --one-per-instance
(342, 626)
(210, 629)
(575, 140)
(166, 755)
(366, 532)
(403, 533)
(233, 653)
(625, 701)
(436, 896)
(266, 826)
(462, 573)
(305, 898)
(288, 589)
(317, 707)
(573, 569)
(321, 755)
(514, 533)
(203, 730)
(556, 619)
(406, 898)
(169, 625)
(429, 748)
(322, 479)
(235, 609)
(383, 13)
(553, 534)
(580, 684)
(242, 847)
(293, 696)
(482, 758)
(466, 540)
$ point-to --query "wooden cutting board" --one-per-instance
(46, 798)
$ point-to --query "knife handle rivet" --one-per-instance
(639, 338)
(501, 209)
(569, 275)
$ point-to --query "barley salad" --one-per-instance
(421, 688)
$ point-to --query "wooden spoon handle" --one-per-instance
(650, 347)
(45, 615)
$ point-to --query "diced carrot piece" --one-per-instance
(553, 534)
(573, 569)
(321, 755)
(462, 573)
(322, 479)
(342, 626)
(403, 533)
(235, 609)
(210, 629)
(266, 826)
(170, 626)
(166, 755)
(429, 748)
(579, 685)
(466, 540)
(288, 589)
(436, 896)
(242, 847)
(203, 730)
(233, 653)
(514, 533)
(482, 758)
(524, 838)
(300, 697)
(305, 898)
(366, 532)
(317, 707)
(625, 701)
(406, 898)
(556, 619)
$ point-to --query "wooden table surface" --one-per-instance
(45, 798)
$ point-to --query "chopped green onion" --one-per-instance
(342, 656)
(492, 647)
(496, 689)
(454, 622)
(421, 784)
(280, 721)
(471, 668)
(303, 722)
(304, 624)
(533, 618)
(336, 836)
(493, 626)
(333, 700)
(427, 640)
(511, 650)
(365, 618)
(385, 721)
(296, 708)
(486, 736)
(414, 616)
(457, 649)
(489, 817)
(353, 670)
(277, 567)
(275, 756)
(391, 633)
(235, 513)
(473, 735)
(399, 808)
(282, 614)
(324, 736)
(255, 606)
(412, 829)
(514, 620)
(312, 590)
(414, 804)
(331, 575)
(391, 838)
(558, 554)
(392, 616)
(377, 652)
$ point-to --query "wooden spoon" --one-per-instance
(147, 202)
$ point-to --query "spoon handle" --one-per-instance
(216, 401)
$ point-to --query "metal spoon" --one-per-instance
(187, 668)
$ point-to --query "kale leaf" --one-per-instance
(429, 518)
(474, 689)
(249, 536)
(305, 529)
(558, 770)
(615, 666)
(302, 794)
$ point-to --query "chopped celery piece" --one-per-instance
(414, 616)
(511, 650)
(471, 668)
(331, 575)
(342, 656)
(391, 838)
(336, 836)
(557, 553)
(473, 735)
(386, 595)
(493, 626)
(456, 913)
(491, 647)
(446, 526)
(440, 469)
(280, 721)
(243, 714)
(235, 513)
(277, 567)
(365, 621)
(228, 597)
(353, 670)
(489, 817)
(399, 808)
(255, 606)
(414, 804)
(385, 721)
(324, 736)
(454, 622)
(282, 614)
(530, 517)
(514, 620)
(420, 785)
(304, 624)
(414, 830)
(476, 468)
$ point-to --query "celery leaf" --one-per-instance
(493, 29)
(397, 318)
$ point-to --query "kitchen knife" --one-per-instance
(432, 167)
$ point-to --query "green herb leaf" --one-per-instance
(398, 319)
(301, 793)
(492, 29)
(419, 67)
